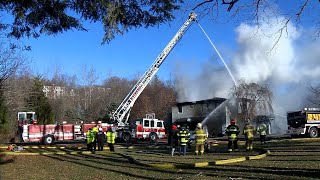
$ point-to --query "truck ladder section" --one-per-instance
(126, 105)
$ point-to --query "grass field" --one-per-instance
(289, 159)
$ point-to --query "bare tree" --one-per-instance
(253, 99)
(314, 96)
(11, 60)
(158, 98)
(260, 11)
(89, 79)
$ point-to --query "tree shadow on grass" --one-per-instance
(289, 172)
(104, 159)
(98, 166)
(120, 162)
(3, 160)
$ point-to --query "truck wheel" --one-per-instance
(48, 140)
(153, 138)
(126, 137)
(313, 132)
(207, 146)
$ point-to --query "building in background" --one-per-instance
(53, 91)
(191, 113)
(215, 115)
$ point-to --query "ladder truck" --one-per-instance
(122, 113)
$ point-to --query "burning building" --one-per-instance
(191, 113)
(214, 114)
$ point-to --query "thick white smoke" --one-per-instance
(288, 62)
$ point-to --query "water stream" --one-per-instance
(206, 122)
(214, 47)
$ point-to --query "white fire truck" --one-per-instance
(145, 128)
(304, 122)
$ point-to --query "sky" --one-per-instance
(131, 54)
(288, 68)
(128, 55)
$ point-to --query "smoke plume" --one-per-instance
(287, 62)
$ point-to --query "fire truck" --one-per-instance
(144, 128)
(122, 113)
(31, 131)
(304, 122)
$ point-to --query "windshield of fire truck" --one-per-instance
(296, 119)
(21, 116)
(159, 124)
(26, 117)
(31, 116)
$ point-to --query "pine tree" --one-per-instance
(4, 123)
(38, 102)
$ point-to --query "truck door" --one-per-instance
(146, 128)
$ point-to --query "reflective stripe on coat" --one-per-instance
(111, 137)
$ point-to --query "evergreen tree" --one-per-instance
(38, 102)
(4, 123)
(33, 18)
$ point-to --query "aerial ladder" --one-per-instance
(121, 115)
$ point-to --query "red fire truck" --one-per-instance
(304, 122)
(30, 131)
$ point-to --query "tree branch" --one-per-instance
(285, 27)
(231, 3)
(200, 4)
(301, 10)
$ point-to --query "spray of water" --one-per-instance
(218, 108)
(205, 122)
(224, 63)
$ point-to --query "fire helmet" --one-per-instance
(233, 121)
(199, 125)
(174, 127)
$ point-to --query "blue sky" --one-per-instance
(131, 54)
(127, 55)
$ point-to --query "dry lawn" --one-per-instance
(289, 159)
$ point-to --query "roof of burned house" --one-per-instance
(206, 101)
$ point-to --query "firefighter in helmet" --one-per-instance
(200, 139)
(183, 135)
(232, 132)
(174, 139)
(90, 138)
(95, 130)
(248, 131)
(262, 130)
(111, 139)
(101, 138)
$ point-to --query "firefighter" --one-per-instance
(232, 132)
(111, 139)
(248, 131)
(95, 130)
(183, 135)
(200, 139)
(262, 129)
(101, 138)
(174, 139)
(89, 139)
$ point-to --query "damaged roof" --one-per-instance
(206, 101)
